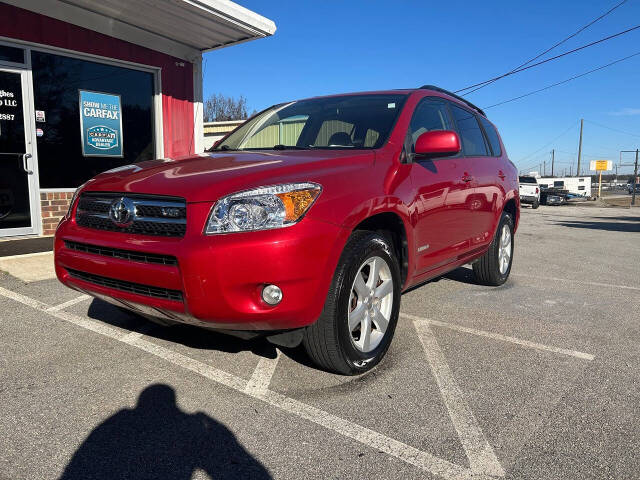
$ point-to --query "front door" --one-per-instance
(18, 201)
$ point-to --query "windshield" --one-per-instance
(345, 122)
(528, 180)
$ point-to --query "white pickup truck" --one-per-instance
(529, 191)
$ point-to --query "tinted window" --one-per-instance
(349, 121)
(11, 54)
(57, 81)
(558, 184)
(429, 115)
(473, 143)
(492, 135)
(527, 180)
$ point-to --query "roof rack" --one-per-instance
(451, 94)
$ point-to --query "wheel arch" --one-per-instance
(393, 227)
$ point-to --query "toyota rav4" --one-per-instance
(305, 224)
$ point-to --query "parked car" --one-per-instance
(529, 191)
(630, 187)
(305, 224)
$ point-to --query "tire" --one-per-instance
(535, 204)
(487, 268)
(330, 342)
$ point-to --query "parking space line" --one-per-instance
(481, 456)
(261, 378)
(504, 338)
(365, 436)
(579, 282)
(71, 302)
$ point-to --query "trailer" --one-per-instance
(580, 186)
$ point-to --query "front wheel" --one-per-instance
(493, 267)
(360, 314)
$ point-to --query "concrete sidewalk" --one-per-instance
(32, 267)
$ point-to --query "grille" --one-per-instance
(157, 216)
(122, 285)
(122, 254)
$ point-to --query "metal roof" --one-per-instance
(181, 26)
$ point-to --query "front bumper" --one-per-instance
(217, 280)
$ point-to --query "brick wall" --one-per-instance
(54, 207)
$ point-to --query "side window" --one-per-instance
(492, 135)
(430, 114)
(471, 136)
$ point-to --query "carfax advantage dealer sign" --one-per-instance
(100, 124)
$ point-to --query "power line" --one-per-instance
(613, 129)
(563, 81)
(545, 146)
(513, 72)
(554, 46)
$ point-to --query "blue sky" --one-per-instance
(341, 46)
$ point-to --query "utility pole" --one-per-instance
(553, 158)
(540, 170)
(635, 173)
(635, 180)
(545, 168)
(571, 170)
(580, 147)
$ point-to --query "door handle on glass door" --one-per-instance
(25, 163)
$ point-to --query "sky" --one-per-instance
(332, 46)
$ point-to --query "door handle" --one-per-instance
(25, 163)
(467, 178)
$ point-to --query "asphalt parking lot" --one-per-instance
(534, 379)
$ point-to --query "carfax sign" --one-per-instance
(100, 124)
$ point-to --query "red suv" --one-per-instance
(305, 224)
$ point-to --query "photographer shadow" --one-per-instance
(158, 440)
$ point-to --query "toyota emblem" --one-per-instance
(122, 211)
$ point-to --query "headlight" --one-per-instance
(73, 200)
(263, 208)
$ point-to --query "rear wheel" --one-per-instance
(360, 314)
(535, 204)
(493, 267)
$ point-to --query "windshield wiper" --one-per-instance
(288, 147)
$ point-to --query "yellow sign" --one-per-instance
(601, 165)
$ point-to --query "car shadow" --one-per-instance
(187, 335)
(156, 439)
(609, 226)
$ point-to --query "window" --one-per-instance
(348, 121)
(57, 81)
(525, 179)
(492, 135)
(11, 54)
(430, 114)
(581, 187)
(473, 143)
(558, 184)
(581, 179)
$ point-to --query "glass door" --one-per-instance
(18, 195)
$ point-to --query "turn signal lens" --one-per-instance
(297, 203)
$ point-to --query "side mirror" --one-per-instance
(438, 143)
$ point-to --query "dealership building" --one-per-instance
(91, 85)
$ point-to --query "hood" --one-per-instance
(208, 176)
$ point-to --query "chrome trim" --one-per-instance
(136, 218)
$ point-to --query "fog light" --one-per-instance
(271, 294)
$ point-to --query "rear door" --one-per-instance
(490, 187)
(443, 186)
(479, 164)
